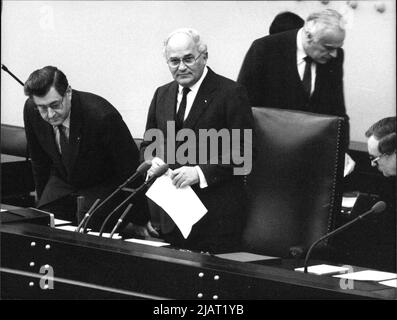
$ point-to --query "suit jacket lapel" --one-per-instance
(168, 106)
(288, 49)
(202, 100)
(76, 118)
(47, 136)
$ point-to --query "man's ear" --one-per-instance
(309, 36)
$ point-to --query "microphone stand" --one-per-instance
(378, 207)
(120, 220)
(142, 168)
(11, 74)
(159, 171)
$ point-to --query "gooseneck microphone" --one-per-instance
(376, 208)
(159, 171)
(141, 170)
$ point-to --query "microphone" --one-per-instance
(159, 171)
(376, 208)
(80, 204)
(11, 74)
(142, 169)
(87, 215)
(120, 220)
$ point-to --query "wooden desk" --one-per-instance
(88, 267)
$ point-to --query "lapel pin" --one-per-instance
(205, 101)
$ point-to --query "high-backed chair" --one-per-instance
(295, 183)
(16, 170)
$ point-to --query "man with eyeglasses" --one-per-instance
(200, 99)
(382, 145)
(380, 230)
(300, 69)
(79, 146)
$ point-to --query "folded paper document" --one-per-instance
(182, 205)
(323, 269)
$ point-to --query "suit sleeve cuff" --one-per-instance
(202, 180)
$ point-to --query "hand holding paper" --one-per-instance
(181, 204)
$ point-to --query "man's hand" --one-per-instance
(184, 176)
(144, 231)
(156, 162)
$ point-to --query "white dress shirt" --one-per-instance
(301, 63)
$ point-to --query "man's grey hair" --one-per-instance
(319, 22)
(192, 33)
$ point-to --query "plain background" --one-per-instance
(114, 49)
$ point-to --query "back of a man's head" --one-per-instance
(285, 21)
(41, 81)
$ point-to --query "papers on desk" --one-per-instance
(67, 228)
(349, 202)
(60, 222)
(149, 242)
(243, 256)
(390, 283)
(323, 269)
(182, 205)
(105, 235)
(368, 275)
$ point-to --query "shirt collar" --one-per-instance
(197, 85)
(300, 52)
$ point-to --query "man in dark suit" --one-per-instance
(299, 69)
(199, 99)
(79, 146)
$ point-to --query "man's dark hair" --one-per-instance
(385, 131)
(41, 81)
(285, 21)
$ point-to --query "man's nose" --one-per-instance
(182, 66)
(51, 113)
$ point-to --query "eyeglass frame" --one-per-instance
(375, 160)
(58, 107)
(190, 64)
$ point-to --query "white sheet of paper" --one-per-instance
(243, 256)
(368, 275)
(59, 222)
(149, 243)
(105, 235)
(322, 269)
(390, 283)
(67, 228)
(3, 210)
(182, 205)
(348, 202)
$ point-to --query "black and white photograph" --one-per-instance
(198, 155)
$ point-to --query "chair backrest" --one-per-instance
(295, 183)
(13, 141)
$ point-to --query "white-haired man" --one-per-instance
(300, 69)
(197, 99)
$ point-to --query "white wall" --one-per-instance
(114, 49)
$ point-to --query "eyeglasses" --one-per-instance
(374, 160)
(55, 106)
(188, 61)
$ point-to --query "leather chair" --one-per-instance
(295, 184)
(16, 171)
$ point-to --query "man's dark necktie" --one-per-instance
(64, 142)
(307, 76)
(180, 116)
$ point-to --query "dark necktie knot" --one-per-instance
(180, 116)
(308, 59)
